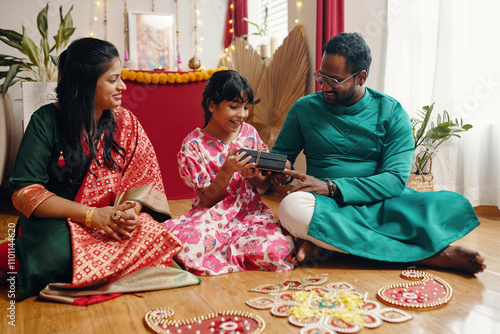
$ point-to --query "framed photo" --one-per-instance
(152, 40)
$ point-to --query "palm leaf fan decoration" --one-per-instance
(242, 58)
(284, 82)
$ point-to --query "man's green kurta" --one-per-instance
(367, 150)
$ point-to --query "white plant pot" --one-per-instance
(35, 95)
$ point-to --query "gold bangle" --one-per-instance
(135, 207)
(88, 217)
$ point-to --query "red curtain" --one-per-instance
(329, 22)
(235, 25)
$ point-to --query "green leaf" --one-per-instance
(65, 30)
(13, 37)
(41, 21)
(30, 49)
(11, 74)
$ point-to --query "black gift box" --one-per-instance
(265, 160)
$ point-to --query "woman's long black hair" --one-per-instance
(226, 85)
(80, 65)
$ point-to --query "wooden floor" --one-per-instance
(474, 308)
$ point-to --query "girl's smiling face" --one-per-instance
(227, 117)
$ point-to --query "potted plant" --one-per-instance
(428, 137)
(38, 67)
(41, 61)
(262, 31)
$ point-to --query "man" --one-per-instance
(359, 149)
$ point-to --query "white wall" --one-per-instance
(365, 16)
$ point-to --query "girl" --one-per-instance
(228, 228)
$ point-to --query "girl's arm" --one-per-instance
(212, 194)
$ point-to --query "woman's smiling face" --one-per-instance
(109, 88)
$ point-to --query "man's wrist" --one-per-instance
(331, 188)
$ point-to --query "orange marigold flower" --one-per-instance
(140, 77)
(163, 78)
(155, 78)
(198, 76)
(178, 78)
(132, 75)
(171, 78)
(125, 74)
(147, 77)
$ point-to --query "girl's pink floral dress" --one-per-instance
(239, 232)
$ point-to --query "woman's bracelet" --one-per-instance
(88, 217)
(331, 189)
(135, 207)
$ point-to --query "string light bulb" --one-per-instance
(195, 63)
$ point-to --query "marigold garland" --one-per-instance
(168, 78)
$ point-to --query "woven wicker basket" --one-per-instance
(423, 181)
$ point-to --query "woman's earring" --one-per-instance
(60, 161)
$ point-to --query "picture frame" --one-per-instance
(152, 40)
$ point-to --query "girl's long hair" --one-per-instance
(80, 65)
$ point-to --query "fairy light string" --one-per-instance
(125, 29)
(195, 29)
(179, 61)
(106, 20)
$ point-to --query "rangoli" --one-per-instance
(338, 307)
(426, 292)
(223, 322)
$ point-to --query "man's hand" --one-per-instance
(307, 183)
(279, 178)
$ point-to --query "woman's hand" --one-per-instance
(116, 220)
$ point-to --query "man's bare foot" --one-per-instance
(305, 249)
(458, 258)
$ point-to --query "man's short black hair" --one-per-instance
(354, 48)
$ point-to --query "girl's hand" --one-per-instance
(234, 162)
(116, 220)
(250, 171)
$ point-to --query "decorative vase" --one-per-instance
(3, 139)
(7, 149)
(265, 50)
(35, 95)
(421, 181)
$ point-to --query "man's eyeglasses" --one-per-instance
(334, 83)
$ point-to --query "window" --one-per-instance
(277, 21)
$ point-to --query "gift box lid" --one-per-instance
(266, 160)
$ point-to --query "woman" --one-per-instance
(83, 176)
